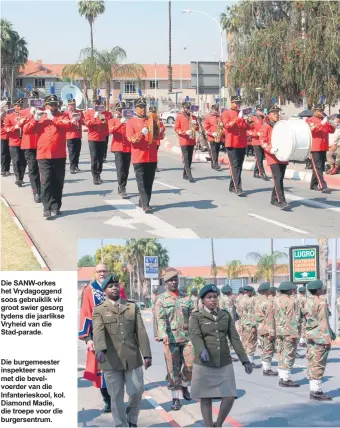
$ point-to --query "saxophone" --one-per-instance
(220, 129)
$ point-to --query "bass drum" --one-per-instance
(293, 140)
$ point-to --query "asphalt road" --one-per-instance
(182, 209)
(261, 402)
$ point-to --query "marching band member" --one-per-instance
(5, 155)
(121, 147)
(215, 133)
(50, 127)
(257, 123)
(74, 136)
(29, 146)
(186, 125)
(96, 123)
(236, 142)
(13, 126)
(153, 109)
(143, 154)
(277, 167)
(108, 115)
(321, 129)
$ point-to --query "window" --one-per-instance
(18, 83)
(39, 83)
(154, 84)
(130, 87)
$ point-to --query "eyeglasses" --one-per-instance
(101, 271)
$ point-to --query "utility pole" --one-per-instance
(271, 253)
(333, 286)
(303, 29)
(213, 264)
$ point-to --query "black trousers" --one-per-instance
(106, 145)
(259, 158)
(122, 161)
(18, 162)
(215, 150)
(97, 149)
(52, 174)
(236, 158)
(33, 170)
(5, 156)
(318, 161)
(145, 175)
(278, 173)
(74, 147)
(187, 153)
(105, 395)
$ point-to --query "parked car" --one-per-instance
(141, 305)
(169, 116)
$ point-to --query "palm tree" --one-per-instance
(197, 282)
(267, 265)
(233, 269)
(109, 66)
(170, 66)
(91, 9)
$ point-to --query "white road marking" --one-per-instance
(166, 185)
(108, 166)
(277, 223)
(39, 258)
(17, 222)
(313, 203)
(136, 216)
(81, 367)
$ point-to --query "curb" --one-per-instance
(28, 240)
(291, 174)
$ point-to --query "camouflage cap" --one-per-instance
(286, 286)
(111, 279)
(265, 286)
(226, 289)
(170, 275)
(209, 288)
(248, 288)
(315, 285)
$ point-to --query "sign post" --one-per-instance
(304, 264)
(151, 267)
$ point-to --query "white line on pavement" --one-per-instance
(167, 185)
(81, 367)
(313, 203)
(108, 166)
(277, 223)
(136, 216)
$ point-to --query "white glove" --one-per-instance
(36, 116)
(33, 110)
(145, 131)
(188, 132)
(214, 134)
(273, 151)
(123, 120)
(325, 120)
(96, 114)
(49, 114)
(193, 122)
(240, 115)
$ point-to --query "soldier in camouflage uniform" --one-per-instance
(319, 338)
(299, 319)
(194, 297)
(265, 323)
(153, 305)
(248, 324)
(238, 305)
(173, 310)
(272, 293)
(286, 332)
(302, 300)
(226, 302)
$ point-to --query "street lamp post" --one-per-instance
(180, 71)
(259, 90)
(221, 44)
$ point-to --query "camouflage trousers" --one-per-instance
(317, 359)
(249, 340)
(238, 328)
(286, 350)
(303, 331)
(267, 348)
(179, 358)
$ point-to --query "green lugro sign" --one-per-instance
(304, 263)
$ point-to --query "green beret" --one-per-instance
(302, 290)
(111, 279)
(315, 285)
(248, 288)
(273, 289)
(170, 275)
(193, 290)
(286, 286)
(265, 286)
(226, 289)
(207, 289)
(241, 289)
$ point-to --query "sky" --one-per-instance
(56, 33)
(197, 252)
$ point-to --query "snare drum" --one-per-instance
(293, 140)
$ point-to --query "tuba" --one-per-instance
(153, 126)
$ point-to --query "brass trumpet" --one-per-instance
(220, 129)
(153, 126)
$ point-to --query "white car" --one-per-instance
(169, 117)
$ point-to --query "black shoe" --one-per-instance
(314, 188)
(77, 169)
(104, 160)
(96, 180)
(232, 190)
(107, 407)
(240, 192)
(325, 190)
(185, 177)
(123, 193)
(47, 214)
(132, 425)
(147, 210)
(157, 169)
(270, 373)
(265, 177)
(100, 181)
(7, 174)
(186, 393)
(256, 175)
(192, 180)
(18, 183)
(55, 213)
(4, 174)
(319, 396)
(256, 366)
(288, 383)
(73, 171)
(284, 206)
(176, 405)
(37, 198)
(218, 167)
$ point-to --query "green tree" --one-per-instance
(112, 257)
(197, 282)
(86, 261)
(233, 269)
(268, 264)
(91, 9)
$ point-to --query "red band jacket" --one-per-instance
(320, 134)
(3, 130)
(76, 128)
(265, 142)
(141, 150)
(14, 123)
(236, 129)
(119, 141)
(51, 135)
(97, 130)
(182, 125)
(211, 125)
(255, 128)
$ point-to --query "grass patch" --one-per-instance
(15, 253)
